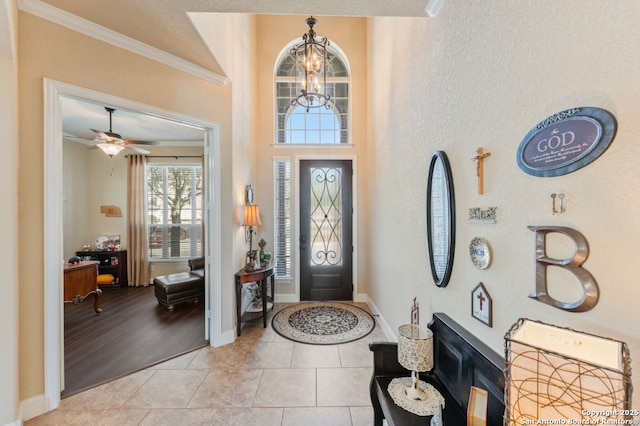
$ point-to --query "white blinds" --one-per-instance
(282, 217)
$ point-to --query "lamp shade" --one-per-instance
(556, 374)
(110, 149)
(415, 347)
(251, 215)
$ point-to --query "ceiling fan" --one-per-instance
(112, 143)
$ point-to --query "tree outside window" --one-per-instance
(175, 211)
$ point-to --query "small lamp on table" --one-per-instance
(251, 219)
(415, 353)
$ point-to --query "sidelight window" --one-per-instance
(282, 217)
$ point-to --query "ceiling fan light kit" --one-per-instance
(112, 143)
(110, 149)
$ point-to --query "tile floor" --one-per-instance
(261, 378)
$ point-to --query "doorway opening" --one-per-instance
(53, 238)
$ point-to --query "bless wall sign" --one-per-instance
(566, 141)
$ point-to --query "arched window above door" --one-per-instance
(325, 125)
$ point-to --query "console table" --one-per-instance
(80, 282)
(259, 276)
(461, 361)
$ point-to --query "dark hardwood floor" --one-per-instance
(132, 332)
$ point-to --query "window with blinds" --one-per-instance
(282, 217)
(174, 207)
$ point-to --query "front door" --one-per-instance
(326, 213)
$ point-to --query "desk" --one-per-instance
(259, 276)
(80, 282)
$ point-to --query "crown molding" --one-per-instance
(91, 29)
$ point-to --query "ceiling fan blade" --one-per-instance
(113, 135)
(100, 133)
(107, 135)
(132, 142)
(136, 149)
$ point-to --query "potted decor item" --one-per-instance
(262, 244)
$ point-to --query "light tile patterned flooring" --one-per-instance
(261, 378)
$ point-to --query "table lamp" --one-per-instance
(559, 374)
(251, 219)
(415, 353)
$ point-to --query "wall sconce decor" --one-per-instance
(562, 375)
(311, 62)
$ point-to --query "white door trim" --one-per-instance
(53, 234)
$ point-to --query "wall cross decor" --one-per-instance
(482, 305)
(415, 312)
(479, 159)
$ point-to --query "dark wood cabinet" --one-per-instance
(111, 262)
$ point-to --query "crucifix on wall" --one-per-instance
(415, 312)
(479, 159)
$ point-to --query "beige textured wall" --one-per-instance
(483, 74)
(236, 55)
(75, 206)
(48, 50)
(275, 33)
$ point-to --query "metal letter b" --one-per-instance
(573, 265)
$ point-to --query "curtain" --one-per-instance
(137, 237)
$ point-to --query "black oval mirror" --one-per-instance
(441, 218)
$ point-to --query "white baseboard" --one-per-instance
(287, 298)
(33, 407)
(293, 298)
(361, 297)
(227, 337)
(385, 327)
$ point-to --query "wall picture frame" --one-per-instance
(566, 141)
(482, 305)
(477, 407)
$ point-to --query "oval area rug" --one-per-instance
(323, 323)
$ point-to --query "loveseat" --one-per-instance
(182, 287)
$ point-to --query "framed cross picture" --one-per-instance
(482, 305)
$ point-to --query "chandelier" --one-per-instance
(311, 61)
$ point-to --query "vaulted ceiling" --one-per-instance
(165, 26)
